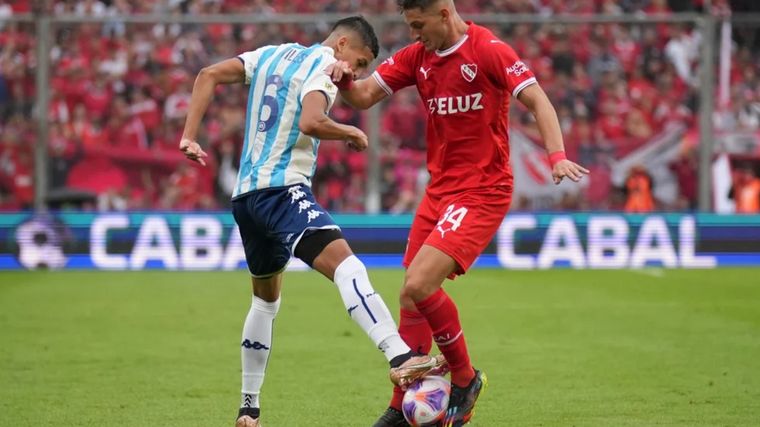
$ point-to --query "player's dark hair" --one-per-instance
(360, 26)
(414, 4)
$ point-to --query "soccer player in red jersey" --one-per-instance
(465, 76)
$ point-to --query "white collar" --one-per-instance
(452, 49)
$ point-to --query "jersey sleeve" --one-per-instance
(506, 68)
(398, 71)
(250, 61)
(318, 80)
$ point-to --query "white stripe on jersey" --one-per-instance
(382, 83)
(302, 159)
(256, 139)
(287, 125)
(263, 113)
(261, 163)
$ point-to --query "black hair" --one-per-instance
(414, 4)
(360, 26)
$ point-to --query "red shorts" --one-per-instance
(461, 225)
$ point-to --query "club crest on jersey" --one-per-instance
(469, 71)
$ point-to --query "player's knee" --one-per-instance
(417, 287)
(267, 289)
(406, 302)
(311, 248)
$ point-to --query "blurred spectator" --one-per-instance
(63, 153)
(97, 98)
(746, 190)
(638, 190)
(113, 199)
(228, 171)
(682, 51)
(685, 170)
(145, 108)
(404, 122)
(6, 11)
(185, 189)
(90, 8)
(175, 107)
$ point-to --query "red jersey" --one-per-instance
(466, 90)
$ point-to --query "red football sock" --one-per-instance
(397, 398)
(416, 332)
(442, 316)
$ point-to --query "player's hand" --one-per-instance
(193, 151)
(340, 72)
(357, 140)
(566, 168)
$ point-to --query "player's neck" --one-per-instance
(458, 30)
(329, 42)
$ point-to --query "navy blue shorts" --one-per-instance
(271, 223)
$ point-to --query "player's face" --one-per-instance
(357, 54)
(427, 26)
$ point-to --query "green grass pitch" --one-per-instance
(561, 348)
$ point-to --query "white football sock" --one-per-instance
(367, 307)
(255, 348)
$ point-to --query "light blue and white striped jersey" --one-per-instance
(275, 152)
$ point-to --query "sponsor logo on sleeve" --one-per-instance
(517, 69)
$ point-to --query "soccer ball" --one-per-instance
(425, 401)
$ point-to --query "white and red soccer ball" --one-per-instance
(425, 402)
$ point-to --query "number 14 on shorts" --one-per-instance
(451, 219)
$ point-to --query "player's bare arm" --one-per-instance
(535, 99)
(224, 72)
(361, 94)
(315, 122)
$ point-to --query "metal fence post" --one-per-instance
(41, 108)
(706, 107)
(372, 201)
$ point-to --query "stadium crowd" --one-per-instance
(119, 92)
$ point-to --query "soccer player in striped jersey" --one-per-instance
(278, 217)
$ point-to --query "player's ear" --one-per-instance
(445, 14)
(342, 44)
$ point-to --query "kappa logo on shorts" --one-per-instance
(304, 204)
(313, 214)
(451, 219)
(296, 194)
